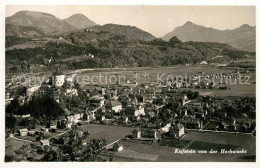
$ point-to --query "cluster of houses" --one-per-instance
(145, 106)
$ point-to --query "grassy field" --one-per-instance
(153, 73)
(110, 133)
(174, 142)
(205, 140)
(165, 151)
(208, 146)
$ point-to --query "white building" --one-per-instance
(58, 79)
(177, 130)
(116, 106)
(45, 142)
(23, 132)
(139, 111)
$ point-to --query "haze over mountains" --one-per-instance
(31, 23)
(243, 37)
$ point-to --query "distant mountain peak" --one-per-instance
(48, 23)
(242, 37)
(33, 14)
(245, 26)
(188, 23)
(130, 32)
(78, 15)
(79, 20)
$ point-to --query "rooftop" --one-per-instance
(57, 73)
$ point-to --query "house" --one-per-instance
(177, 130)
(70, 118)
(117, 147)
(138, 111)
(166, 128)
(136, 133)
(116, 106)
(45, 142)
(123, 119)
(97, 100)
(68, 125)
(31, 132)
(23, 132)
(203, 63)
(58, 79)
(77, 117)
(149, 133)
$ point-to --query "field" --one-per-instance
(211, 140)
(153, 74)
(165, 151)
(110, 133)
(208, 146)
(37, 42)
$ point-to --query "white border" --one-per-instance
(118, 2)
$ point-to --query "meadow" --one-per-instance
(146, 75)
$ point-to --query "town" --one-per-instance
(54, 112)
(137, 83)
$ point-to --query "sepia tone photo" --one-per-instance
(130, 83)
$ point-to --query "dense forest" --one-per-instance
(105, 50)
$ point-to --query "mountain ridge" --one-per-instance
(79, 20)
(44, 21)
(131, 32)
(238, 37)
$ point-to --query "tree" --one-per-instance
(173, 41)
(10, 122)
(50, 156)
(13, 107)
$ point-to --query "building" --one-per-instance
(145, 133)
(166, 128)
(23, 132)
(58, 79)
(117, 147)
(97, 100)
(177, 130)
(123, 119)
(149, 133)
(45, 142)
(138, 111)
(116, 106)
(136, 133)
(204, 63)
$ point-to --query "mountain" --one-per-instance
(79, 21)
(243, 37)
(23, 31)
(46, 22)
(130, 32)
(93, 49)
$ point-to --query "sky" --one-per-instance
(157, 20)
